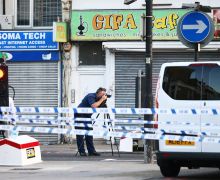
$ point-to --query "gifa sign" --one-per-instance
(123, 24)
(113, 22)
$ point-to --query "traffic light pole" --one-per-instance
(148, 75)
(148, 147)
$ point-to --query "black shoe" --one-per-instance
(94, 154)
(82, 154)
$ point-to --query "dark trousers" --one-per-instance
(80, 138)
(89, 143)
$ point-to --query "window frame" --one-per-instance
(16, 17)
(90, 65)
(31, 25)
(199, 76)
(203, 77)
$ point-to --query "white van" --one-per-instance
(192, 85)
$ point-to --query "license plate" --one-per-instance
(180, 143)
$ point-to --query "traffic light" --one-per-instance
(4, 101)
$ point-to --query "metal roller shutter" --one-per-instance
(35, 84)
(127, 66)
(126, 70)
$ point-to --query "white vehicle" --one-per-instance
(189, 85)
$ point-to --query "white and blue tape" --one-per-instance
(52, 110)
(124, 131)
(41, 119)
(110, 134)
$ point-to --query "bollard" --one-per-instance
(19, 151)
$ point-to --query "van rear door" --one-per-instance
(210, 124)
(180, 88)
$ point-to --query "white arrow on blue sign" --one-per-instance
(200, 26)
(195, 26)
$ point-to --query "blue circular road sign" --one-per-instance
(195, 27)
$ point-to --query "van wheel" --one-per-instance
(169, 169)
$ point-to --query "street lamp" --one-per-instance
(148, 68)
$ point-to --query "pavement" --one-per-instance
(60, 163)
(67, 152)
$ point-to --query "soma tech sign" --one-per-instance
(27, 40)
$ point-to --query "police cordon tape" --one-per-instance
(140, 111)
(49, 119)
(105, 125)
(107, 133)
(169, 129)
(41, 119)
(58, 111)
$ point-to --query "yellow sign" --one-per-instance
(30, 153)
(180, 143)
(60, 32)
(99, 25)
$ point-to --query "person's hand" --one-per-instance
(104, 97)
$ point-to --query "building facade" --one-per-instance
(108, 51)
(33, 58)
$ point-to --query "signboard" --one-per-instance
(30, 56)
(30, 153)
(195, 27)
(123, 24)
(216, 21)
(27, 40)
(60, 32)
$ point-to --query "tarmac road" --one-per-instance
(60, 163)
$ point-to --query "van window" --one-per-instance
(183, 82)
(211, 83)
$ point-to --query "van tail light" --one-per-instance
(156, 120)
(157, 105)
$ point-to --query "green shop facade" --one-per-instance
(118, 53)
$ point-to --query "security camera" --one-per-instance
(187, 6)
(127, 2)
(66, 1)
(197, 7)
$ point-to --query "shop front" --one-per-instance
(34, 71)
(120, 32)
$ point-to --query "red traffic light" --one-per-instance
(3, 72)
(4, 85)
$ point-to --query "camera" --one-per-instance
(108, 95)
(104, 102)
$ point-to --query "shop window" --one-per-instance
(46, 11)
(37, 13)
(91, 53)
(23, 12)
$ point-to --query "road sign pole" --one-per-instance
(196, 57)
(148, 147)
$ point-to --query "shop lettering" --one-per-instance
(113, 22)
(164, 22)
(19, 36)
(6, 36)
(34, 35)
